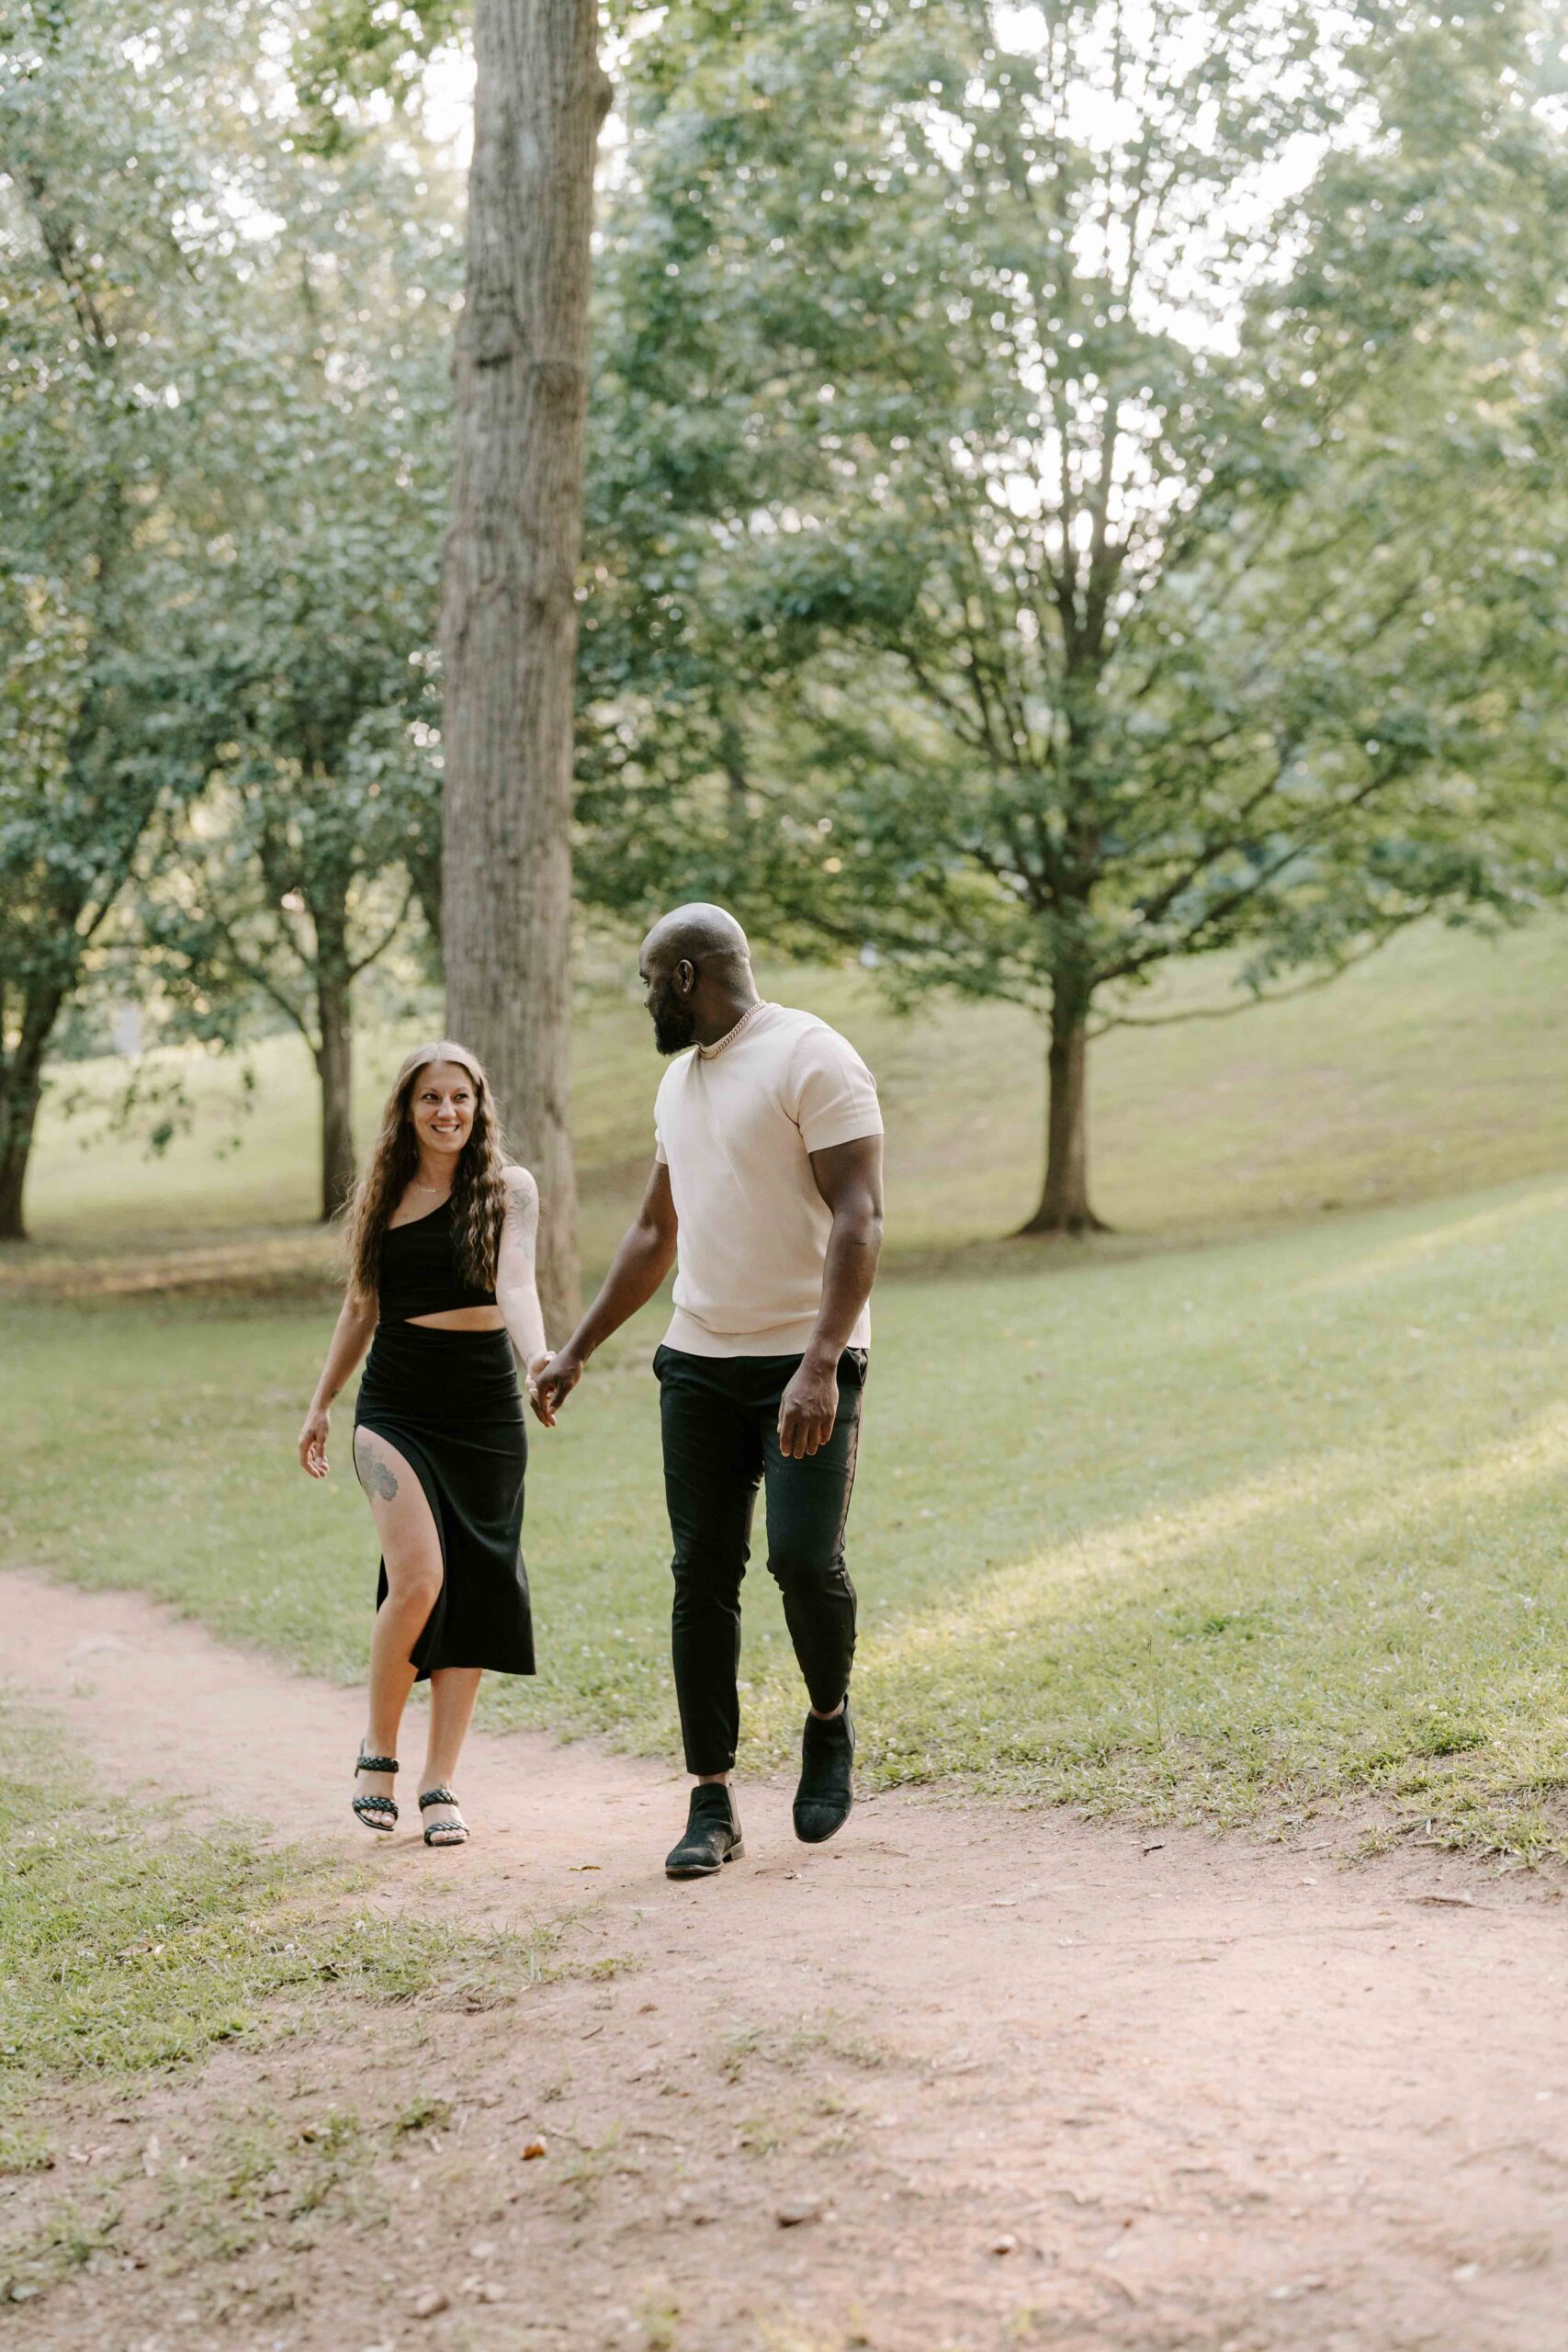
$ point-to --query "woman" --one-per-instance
(441, 1235)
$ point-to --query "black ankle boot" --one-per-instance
(712, 1834)
(826, 1794)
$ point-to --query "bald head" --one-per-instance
(697, 975)
(697, 932)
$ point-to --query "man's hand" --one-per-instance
(551, 1382)
(809, 1408)
(542, 1411)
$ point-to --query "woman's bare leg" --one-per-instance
(411, 1548)
(452, 1689)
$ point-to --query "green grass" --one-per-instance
(1227, 1529)
(124, 1953)
(1438, 1068)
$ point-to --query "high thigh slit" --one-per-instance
(448, 1402)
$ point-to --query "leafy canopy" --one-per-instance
(1070, 482)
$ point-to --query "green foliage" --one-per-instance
(222, 445)
(349, 51)
(326, 468)
(111, 216)
(1061, 507)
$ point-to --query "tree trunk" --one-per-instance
(21, 1091)
(335, 1054)
(19, 1096)
(508, 617)
(1063, 1204)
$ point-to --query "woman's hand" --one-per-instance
(313, 1442)
(552, 1382)
(544, 1406)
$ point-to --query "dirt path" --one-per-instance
(1031, 2081)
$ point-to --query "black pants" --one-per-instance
(721, 1442)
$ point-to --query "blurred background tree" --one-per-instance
(318, 842)
(1069, 489)
(110, 212)
(223, 445)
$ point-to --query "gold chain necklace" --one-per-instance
(707, 1052)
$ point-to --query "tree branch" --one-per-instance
(1383, 934)
(386, 939)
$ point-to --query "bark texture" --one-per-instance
(1064, 1202)
(334, 1054)
(509, 620)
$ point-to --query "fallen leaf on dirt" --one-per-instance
(1118, 2286)
(532, 2148)
(799, 2210)
(1448, 1901)
(427, 2302)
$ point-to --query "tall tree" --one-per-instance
(1063, 502)
(326, 462)
(509, 624)
(110, 206)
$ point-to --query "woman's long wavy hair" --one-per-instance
(479, 1187)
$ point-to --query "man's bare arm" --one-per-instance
(848, 1177)
(646, 1255)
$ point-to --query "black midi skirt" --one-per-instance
(448, 1402)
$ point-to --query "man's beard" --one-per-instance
(674, 1023)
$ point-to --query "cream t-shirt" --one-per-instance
(736, 1124)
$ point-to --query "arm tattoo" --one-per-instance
(522, 1218)
(376, 1476)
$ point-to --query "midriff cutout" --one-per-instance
(461, 1319)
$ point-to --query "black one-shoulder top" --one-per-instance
(420, 1274)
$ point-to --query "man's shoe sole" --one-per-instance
(821, 1836)
(708, 1869)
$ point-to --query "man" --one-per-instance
(766, 1192)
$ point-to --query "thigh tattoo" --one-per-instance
(377, 1477)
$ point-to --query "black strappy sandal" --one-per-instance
(371, 1810)
(444, 1833)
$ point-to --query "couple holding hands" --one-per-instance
(766, 1195)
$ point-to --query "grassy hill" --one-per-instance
(1436, 1068)
(1236, 1529)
